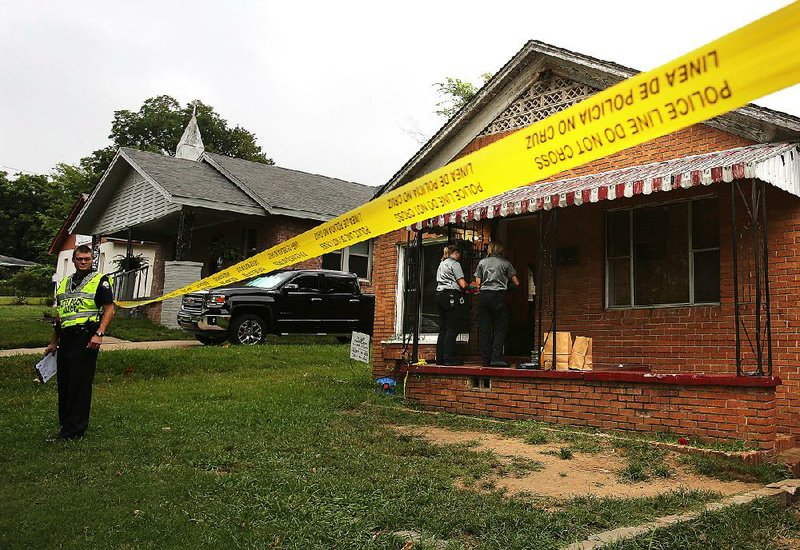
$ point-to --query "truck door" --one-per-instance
(342, 306)
(301, 305)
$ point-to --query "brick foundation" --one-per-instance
(711, 407)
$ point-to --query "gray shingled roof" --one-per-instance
(8, 261)
(284, 189)
(188, 178)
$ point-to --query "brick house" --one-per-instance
(204, 211)
(677, 257)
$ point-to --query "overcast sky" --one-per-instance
(334, 88)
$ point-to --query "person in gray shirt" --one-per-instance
(492, 276)
(450, 302)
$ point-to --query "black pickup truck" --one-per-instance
(316, 301)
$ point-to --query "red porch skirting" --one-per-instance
(711, 407)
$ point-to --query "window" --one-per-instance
(274, 280)
(341, 285)
(353, 259)
(307, 283)
(250, 246)
(663, 255)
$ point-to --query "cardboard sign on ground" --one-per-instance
(359, 347)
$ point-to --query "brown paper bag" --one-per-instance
(581, 357)
(563, 351)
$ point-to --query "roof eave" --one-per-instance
(769, 125)
(74, 225)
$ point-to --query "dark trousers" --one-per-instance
(451, 307)
(76, 367)
(492, 324)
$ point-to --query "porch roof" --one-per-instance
(775, 163)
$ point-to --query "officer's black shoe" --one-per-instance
(453, 363)
(499, 364)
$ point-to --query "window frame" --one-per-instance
(691, 251)
(344, 261)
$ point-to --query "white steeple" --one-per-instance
(190, 146)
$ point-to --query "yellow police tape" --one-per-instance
(727, 73)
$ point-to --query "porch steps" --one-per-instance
(791, 458)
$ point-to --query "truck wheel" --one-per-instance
(208, 340)
(343, 339)
(248, 329)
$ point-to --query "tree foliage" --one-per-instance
(35, 207)
(456, 93)
(158, 126)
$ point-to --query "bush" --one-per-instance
(36, 280)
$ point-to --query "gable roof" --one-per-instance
(291, 192)
(217, 182)
(187, 179)
(756, 123)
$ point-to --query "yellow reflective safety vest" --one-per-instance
(76, 307)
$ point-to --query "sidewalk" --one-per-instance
(112, 344)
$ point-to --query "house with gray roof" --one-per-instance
(8, 261)
(207, 211)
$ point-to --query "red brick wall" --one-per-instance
(721, 413)
(672, 339)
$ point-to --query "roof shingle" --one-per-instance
(281, 188)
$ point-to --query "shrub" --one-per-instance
(36, 280)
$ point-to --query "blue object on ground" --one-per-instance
(386, 385)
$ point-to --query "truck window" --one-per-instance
(307, 283)
(340, 285)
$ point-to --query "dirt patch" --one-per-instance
(595, 473)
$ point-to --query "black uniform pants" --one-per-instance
(492, 324)
(76, 367)
(451, 305)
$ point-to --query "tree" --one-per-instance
(23, 199)
(158, 125)
(456, 93)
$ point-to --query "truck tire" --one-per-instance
(343, 339)
(247, 329)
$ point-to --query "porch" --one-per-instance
(674, 289)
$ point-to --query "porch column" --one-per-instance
(129, 247)
(177, 274)
(183, 248)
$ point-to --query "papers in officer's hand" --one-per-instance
(46, 368)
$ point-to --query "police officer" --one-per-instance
(491, 277)
(85, 306)
(450, 301)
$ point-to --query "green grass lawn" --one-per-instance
(263, 447)
(32, 300)
(760, 525)
(26, 327)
